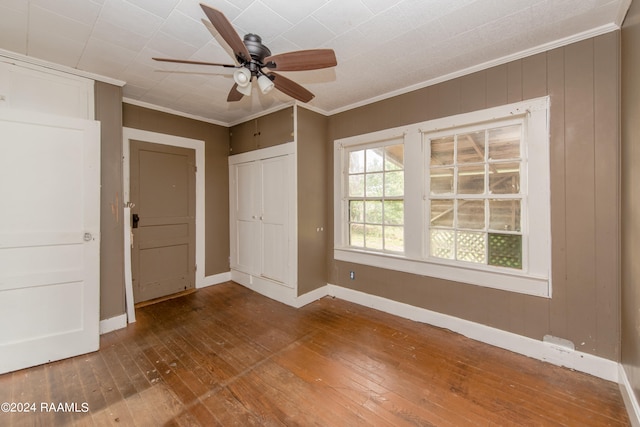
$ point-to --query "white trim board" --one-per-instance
(628, 395)
(545, 351)
(41, 63)
(162, 109)
(215, 279)
(113, 323)
(128, 279)
(604, 29)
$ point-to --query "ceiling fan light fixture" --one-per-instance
(242, 77)
(265, 84)
(245, 90)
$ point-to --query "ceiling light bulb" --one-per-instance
(242, 77)
(265, 83)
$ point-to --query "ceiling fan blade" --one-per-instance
(226, 31)
(223, 44)
(300, 60)
(291, 88)
(186, 61)
(234, 95)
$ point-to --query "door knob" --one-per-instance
(134, 220)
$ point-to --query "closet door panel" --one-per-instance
(246, 217)
(274, 218)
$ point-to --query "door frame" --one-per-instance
(176, 141)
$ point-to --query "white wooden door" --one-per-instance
(49, 238)
(246, 193)
(274, 220)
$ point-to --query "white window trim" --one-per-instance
(393, 140)
(536, 280)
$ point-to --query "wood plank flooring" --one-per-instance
(225, 355)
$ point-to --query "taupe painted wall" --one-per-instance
(216, 149)
(631, 197)
(108, 110)
(582, 80)
(312, 200)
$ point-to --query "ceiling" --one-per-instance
(383, 47)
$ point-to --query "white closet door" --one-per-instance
(247, 223)
(274, 218)
(49, 238)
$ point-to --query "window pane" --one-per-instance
(504, 178)
(394, 239)
(373, 236)
(471, 214)
(442, 151)
(394, 157)
(356, 185)
(505, 250)
(504, 143)
(470, 246)
(471, 147)
(441, 243)
(356, 235)
(442, 181)
(356, 161)
(373, 184)
(471, 179)
(375, 198)
(356, 211)
(394, 212)
(374, 159)
(373, 212)
(394, 183)
(442, 213)
(504, 215)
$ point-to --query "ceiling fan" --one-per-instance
(254, 60)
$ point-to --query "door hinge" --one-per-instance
(196, 268)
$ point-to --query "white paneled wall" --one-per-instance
(45, 91)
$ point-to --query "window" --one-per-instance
(375, 178)
(450, 198)
(475, 194)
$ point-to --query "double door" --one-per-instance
(261, 218)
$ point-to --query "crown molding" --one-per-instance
(29, 60)
(171, 111)
(604, 29)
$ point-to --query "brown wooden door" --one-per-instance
(163, 189)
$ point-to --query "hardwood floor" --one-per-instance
(227, 356)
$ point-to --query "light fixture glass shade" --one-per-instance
(245, 90)
(242, 77)
(265, 83)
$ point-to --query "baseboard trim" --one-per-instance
(269, 288)
(548, 352)
(113, 323)
(311, 296)
(216, 279)
(628, 395)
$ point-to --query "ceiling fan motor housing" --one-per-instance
(256, 49)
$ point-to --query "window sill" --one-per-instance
(504, 280)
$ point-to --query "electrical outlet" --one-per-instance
(352, 275)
